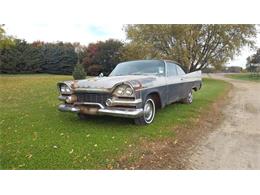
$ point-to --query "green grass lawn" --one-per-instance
(35, 135)
(244, 76)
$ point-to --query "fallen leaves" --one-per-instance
(35, 136)
(109, 166)
(29, 156)
(21, 165)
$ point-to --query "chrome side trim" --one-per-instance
(92, 90)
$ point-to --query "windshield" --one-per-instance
(141, 67)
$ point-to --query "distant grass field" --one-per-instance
(244, 76)
(35, 135)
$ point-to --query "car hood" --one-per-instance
(110, 82)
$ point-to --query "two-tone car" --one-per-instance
(134, 89)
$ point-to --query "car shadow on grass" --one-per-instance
(108, 120)
(94, 120)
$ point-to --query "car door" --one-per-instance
(173, 83)
(184, 86)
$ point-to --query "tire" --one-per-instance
(149, 112)
(82, 116)
(188, 99)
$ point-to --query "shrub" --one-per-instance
(79, 72)
(95, 70)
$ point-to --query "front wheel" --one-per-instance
(149, 113)
(188, 99)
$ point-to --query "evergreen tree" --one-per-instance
(79, 72)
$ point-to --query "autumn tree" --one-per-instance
(194, 46)
(103, 55)
(5, 40)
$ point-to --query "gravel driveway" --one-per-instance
(235, 144)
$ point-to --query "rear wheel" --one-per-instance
(149, 113)
(188, 99)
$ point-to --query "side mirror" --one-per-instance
(101, 74)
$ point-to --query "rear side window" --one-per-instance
(179, 70)
(171, 69)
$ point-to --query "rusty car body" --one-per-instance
(134, 89)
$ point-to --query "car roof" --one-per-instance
(156, 59)
(173, 62)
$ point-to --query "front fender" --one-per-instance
(160, 91)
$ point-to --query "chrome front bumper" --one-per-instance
(111, 111)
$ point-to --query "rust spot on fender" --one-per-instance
(74, 85)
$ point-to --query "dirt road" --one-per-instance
(235, 144)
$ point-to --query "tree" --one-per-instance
(194, 46)
(5, 40)
(79, 72)
(20, 58)
(106, 54)
(95, 70)
(38, 57)
(253, 62)
(58, 58)
(133, 51)
(256, 57)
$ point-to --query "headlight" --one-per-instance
(65, 89)
(128, 91)
(124, 90)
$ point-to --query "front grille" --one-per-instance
(93, 97)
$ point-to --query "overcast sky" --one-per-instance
(83, 33)
(78, 21)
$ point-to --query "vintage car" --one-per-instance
(134, 89)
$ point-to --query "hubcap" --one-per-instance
(190, 97)
(149, 111)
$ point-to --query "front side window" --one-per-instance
(171, 69)
(179, 70)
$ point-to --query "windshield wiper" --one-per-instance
(137, 74)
